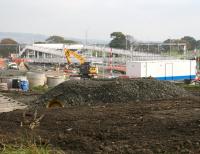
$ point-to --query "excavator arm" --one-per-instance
(68, 53)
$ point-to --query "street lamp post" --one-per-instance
(126, 42)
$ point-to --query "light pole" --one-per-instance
(86, 37)
(126, 42)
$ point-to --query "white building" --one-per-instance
(162, 69)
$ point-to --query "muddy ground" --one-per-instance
(168, 126)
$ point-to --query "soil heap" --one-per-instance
(80, 92)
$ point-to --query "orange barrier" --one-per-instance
(19, 60)
(2, 63)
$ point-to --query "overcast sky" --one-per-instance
(148, 20)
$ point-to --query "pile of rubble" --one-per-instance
(81, 92)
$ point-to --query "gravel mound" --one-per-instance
(111, 91)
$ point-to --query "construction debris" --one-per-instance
(96, 91)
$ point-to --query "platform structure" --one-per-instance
(54, 53)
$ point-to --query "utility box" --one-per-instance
(162, 69)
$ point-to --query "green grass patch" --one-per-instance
(31, 149)
(40, 89)
(29, 144)
(190, 86)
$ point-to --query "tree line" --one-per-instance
(57, 39)
(119, 41)
(122, 41)
(8, 45)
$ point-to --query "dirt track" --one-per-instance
(145, 127)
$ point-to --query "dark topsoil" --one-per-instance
(153, 126)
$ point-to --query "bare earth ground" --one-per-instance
(168, 126)
(24, 97)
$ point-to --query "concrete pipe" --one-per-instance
(54, 103)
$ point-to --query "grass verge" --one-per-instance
(30, 149)
(40, 89)
(190, 86)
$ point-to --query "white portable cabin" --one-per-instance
(162, 69)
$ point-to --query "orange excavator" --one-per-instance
(85, 68)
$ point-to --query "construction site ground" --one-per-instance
(147, 127)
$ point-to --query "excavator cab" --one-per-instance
(93, 70)
(86, 70)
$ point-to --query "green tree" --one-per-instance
(190, 42)
(167, 47)
(8, 41)
(8, 46)
(198, 44)
(39, 42)
(130, 38)
(176, 47)
(119, 41)
(59, 39)
(70, 42)
(55, 39)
